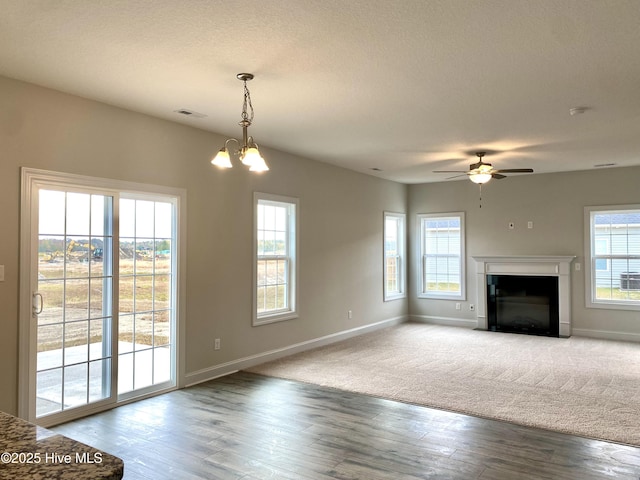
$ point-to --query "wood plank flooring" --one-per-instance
(246, 426)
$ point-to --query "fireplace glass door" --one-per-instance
(523, 304)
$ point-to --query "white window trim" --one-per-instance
(589, 249)
(291, 312)
(402, 235)
(463, 258)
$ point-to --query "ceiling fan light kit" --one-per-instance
(247, 151)
(482, 173)
(480, 178)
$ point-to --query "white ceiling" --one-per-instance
(406, 86)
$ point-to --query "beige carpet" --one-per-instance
(581, 386)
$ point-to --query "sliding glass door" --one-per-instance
(99, 296)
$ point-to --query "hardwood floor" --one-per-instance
(246, 426)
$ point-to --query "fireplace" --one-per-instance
(523, 304)
(493, 268)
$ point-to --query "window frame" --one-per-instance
(291, 255)
(591, 258)
(401, 255)
(422, 292)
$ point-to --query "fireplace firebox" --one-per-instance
(523, 304)
(557, 266)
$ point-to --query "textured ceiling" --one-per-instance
(405, 86)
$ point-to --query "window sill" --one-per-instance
(273, 318)
(435, 296)
(398, 296)
(634, 307)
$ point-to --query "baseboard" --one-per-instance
(227, 368)
(449, 321)
(606, 335)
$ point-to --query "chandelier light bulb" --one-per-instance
(222, 159)
(251, 156)
(259, 165)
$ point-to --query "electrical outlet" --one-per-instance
(529, 224)
(458, 306)
(216, 344)
(472, 307)
(578, 266)
(350, 314)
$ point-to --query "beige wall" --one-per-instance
(555, 203)
(340, 222)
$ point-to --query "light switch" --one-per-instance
(1, 273)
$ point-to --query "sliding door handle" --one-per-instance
(37, 304)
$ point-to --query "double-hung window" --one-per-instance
(275, 267)
(394, 256)
(442, 255)
(612, 238)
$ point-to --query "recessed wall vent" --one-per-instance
(190, 113)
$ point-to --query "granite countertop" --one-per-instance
(28, 451)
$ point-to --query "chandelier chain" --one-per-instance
(247, 102)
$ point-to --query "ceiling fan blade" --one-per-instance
(475, 166)
(449, 171)
(516, 170)
(456, 176)
(497, 176)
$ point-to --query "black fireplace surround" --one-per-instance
(523, 304)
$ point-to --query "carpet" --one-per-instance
(581, 386)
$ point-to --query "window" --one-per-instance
(275, 244)
(442, 255)
(612, 238)
(394, 248)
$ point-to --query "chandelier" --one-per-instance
(248, 150)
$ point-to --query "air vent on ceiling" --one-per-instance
(190, 113)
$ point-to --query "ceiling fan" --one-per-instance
(481, 172)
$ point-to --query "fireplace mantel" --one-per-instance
(547, 265)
